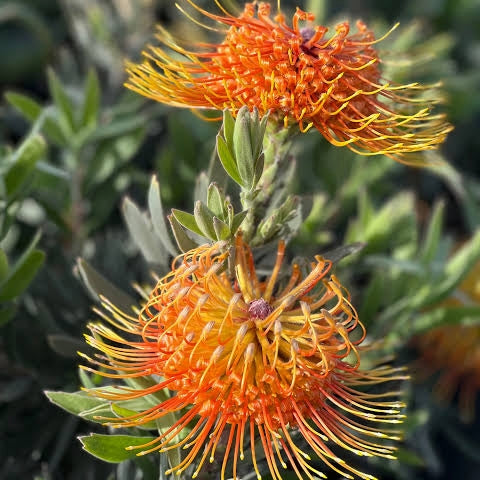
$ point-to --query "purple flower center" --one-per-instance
(307, 33)
(259, 309)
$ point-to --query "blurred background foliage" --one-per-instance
(73, 142)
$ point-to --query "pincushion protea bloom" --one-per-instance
(453, 352)
(298, 74)
(247, 360)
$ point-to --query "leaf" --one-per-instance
(457, 267)
(222, 232)
(372, 299)
(237, 221)
(28, 107)
(227, 161)
(158, 219)
(6, 313)
(216, 201)
(63, 103)
(98, 286)
(201, 187)
(184, 242)
(119, 127)
(228, 126)
(408, 457)
(463, 315)
(204, 219)
(24, 161)
(243, 148)
(113, 448)
(122, 412)
(340, 253)
(22, 274)
(15, 389)
(3, 266)
(33, 111)
(76, 402)
(99, 414)
(433, 235)
(89, 115)
(141, 232)
(187, 220)
(64, 345)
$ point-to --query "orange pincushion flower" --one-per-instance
(246, 360)
(333, 84)
(453, 351)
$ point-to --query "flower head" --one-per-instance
(301, 76)
(245, 359)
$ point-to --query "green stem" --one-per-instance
(276, 146)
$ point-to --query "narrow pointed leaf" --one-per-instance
(91, 100)
(258, 169)
(76, 402)
(216, 201)
(243, 149)
(204, 219)
(141, 232)
(188, 221)
(3, 266)
(62, 101)
(120, 411)
(25, 160)
(433, 235)
(201, 187)
(228, 126)
(237, 221)
(158, 219)
(227, 160)
(99, 286)
(113, 448)
(32, 111)
(28, 107)
(184, 242)
(65, 345)
(222, 231)
(22, 274)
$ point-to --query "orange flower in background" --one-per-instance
(298, 74)
(453, 352)
(246, 361)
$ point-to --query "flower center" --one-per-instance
(307, 33)
(259, 309)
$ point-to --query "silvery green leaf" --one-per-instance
(457, 268)
(158, 219)
(76, 402)
(201, 187)
(141, 231)
(98, 286)
(65, 345)
(216, 201)
(237, 221)
(227, 160)
(89, 114)
(433, 235)
(113, 448)
(228, 127)
(187, 220)
(62, 102)
(242, 147)
(222, 231)
(204, 219)
(184, 242)
(259, 164)
(24, 161)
